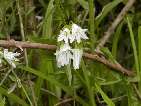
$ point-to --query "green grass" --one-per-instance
(94, 84)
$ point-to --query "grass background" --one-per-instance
(41, 83)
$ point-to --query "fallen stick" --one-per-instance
(22, 44)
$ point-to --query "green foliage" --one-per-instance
(47, 26)
(13, 97)
(104, 96)
(135, 52)
(116, 40)
(84, 4)
(106, 9)
(94, 84)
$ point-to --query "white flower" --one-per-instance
(10, 57)
(77, 55)
(63, 56)
(64, 35)
(77, 33)
(65, 47)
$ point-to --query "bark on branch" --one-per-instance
(96, 57)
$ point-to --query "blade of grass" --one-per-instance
(45, 66)
(52, 80)
(106, 9)
(104, 96)
(46, 77)
(91, 23)
(134, 52)
(47, 26)
(129, 91)
(13, 97)
(116, 39)
(49, 70)
(88, 86)
(84, 4)
(139, 47)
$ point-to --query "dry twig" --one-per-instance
(118, 67)
(111, 29)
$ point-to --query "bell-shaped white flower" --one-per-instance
(77, 55)
(63, 56)
(64, 35)
(10, 57)
(65, 47)
(77, 33)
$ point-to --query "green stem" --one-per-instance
(135, 53)
(91, 23)
(89, 87)
(139, 44)
(20, 84)
(69, 74)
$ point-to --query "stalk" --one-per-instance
(91, 23)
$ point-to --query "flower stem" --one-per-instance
(91, 23)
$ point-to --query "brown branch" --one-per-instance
(5, 43)
(118, 67)
(111, 29)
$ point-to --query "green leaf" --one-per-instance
(108, 54)
(13, 97)
(88, 84)
(84, 4)
(2, 102)
(134, 52)
(47, 26)
(46, 77)
(139, 47)
(54, 81)
(106, 9)
(110, 82)
(116, 40)
(104, 96)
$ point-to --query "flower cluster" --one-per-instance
(10, 57)
(66, 53)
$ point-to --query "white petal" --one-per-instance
(10, 57)
(77, 55)
(78, 33)
(65, 47)
(78, 38)
(60, 37)
(64, 35)
(63, 56)
(72, 38)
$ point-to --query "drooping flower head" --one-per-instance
(63, 55)
(77, 34)
(77, 55)
(64, 35)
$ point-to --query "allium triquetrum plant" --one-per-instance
(91, 54)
